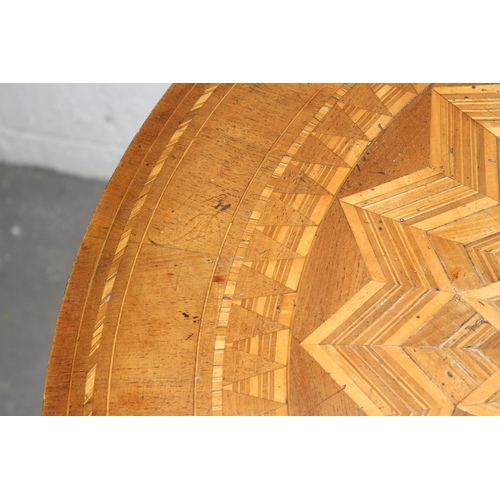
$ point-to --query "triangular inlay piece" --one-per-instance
(362, 96)
(244, 404)
(239, 365)
(314, 151)
(262, 247)
(254, 284)
(269, 385)
(294, 180)
(244, 324)
(279, 213)
(336, 122)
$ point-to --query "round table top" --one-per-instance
(292, 249)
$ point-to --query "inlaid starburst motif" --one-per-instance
(422, 337)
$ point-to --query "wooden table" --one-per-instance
(292, 250)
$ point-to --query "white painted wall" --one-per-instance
(77, 128)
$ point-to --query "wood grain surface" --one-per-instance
(292, 249)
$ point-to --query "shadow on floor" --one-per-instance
(43, 217)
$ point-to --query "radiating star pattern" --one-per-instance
(422, 337)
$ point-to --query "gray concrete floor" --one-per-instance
(43, 217)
